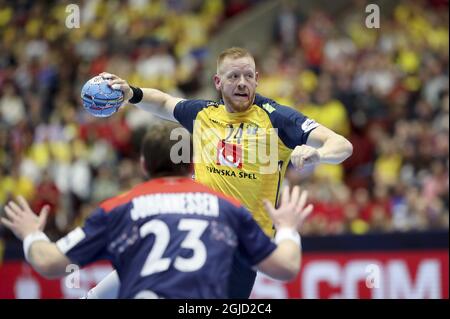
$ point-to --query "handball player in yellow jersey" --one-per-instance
(244, 142)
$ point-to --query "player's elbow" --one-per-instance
(49, 275)
(284, 263)
(290, 273)
(48, 269)
(345, 147)
(45, 270)
(289, 269)
(348, 148)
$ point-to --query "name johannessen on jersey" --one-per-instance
(180, 203)
(225, 172)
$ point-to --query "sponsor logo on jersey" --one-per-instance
(230, 173)
(252, 129)
(308, 125)
(229, 154)
(269, 108)
(222, 232)
(70, 240)
(212, 103)
(223, 124)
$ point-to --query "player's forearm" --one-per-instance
(158, 103)
(283, 263)
(335, 150)
(289, 255)
(47, 259)
(155, 96)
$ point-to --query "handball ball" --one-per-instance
(99, 99)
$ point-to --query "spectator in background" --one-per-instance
(47, 194)
(12, 108)
(286, 26)
(105, 184)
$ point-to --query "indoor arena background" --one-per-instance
(381, 220)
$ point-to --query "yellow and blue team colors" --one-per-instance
(245, 154)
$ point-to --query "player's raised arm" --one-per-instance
(323, 146)
(43, 255)
(284, 262)
(155, 100)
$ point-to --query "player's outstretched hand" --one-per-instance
(118, 84)
(292, 211)
(21, 220)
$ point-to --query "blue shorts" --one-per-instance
(242, 278)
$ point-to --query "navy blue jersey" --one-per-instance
(172, 237)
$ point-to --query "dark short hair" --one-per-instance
(157, 146)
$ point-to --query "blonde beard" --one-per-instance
(238, 108)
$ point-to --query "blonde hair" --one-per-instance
(233, 53)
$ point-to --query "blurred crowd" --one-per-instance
(384, 89)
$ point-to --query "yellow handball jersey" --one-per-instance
(244, 155)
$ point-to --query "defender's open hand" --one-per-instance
(21, 220)
(292, 211)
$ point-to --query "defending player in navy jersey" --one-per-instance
(169, 237)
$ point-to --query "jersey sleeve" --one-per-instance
(254, 244)
(293, 127)
(186, 111)
(87, 244)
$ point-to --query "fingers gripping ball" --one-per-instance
(99, 99)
